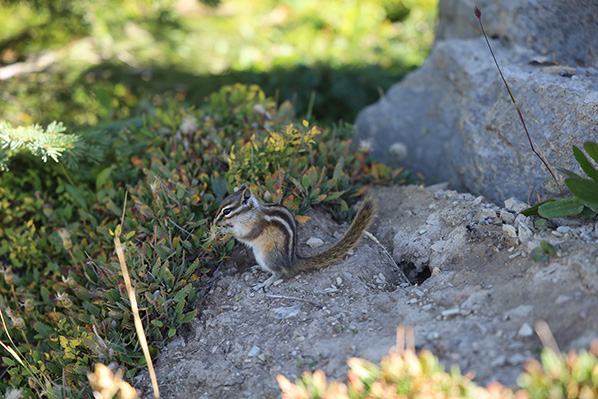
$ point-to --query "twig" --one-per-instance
(296, 299)
(189, 234)
(16, 353)
(136, 318)
(545, 335)
(373, 238)
(405, 339)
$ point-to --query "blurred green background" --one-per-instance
(88, 61)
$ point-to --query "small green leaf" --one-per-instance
(585, 190)
(178, 308)
(158, 323)
(344, 206)
(592, 149)
(533, 210)
(539, 256)
(334, 195)
(568, 173)
(45, 293)
(183, 292)
(187, 317)
(129, 235)
(587, 213)
(563, 207)
(54, 368)
(167, 275)
(547, 248)
(76, 195)
(313, 176)
(9, 362)
(103, 177)
(305, 182)
(43, 329)
(219, 187)
(338, 171)
(585, 164)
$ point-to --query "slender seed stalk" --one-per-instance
(478, 15)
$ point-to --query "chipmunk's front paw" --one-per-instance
(255, 268)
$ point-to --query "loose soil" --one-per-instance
(457, 269)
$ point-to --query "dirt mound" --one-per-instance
(456, 268)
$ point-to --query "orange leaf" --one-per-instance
(361, 191)
(302, 218)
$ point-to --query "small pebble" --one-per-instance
(499, 361)
(382, 277)
(450, 312)
(485, 214)
(525, 331)
(516, 359)
(562, 299)
(254, 351)
(563, 229)
(509, 231)
(514, 205)
(521, 219)
(314, 242)
(524, 233)
(284, 312)
(507, 217)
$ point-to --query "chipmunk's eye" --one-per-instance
(226, 211)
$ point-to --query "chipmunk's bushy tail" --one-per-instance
(363, 220)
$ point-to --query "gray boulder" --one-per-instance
(452, 119)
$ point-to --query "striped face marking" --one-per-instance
(233, 205)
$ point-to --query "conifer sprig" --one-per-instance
(49, 143)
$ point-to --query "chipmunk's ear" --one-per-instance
(246, 193)
(243, 187)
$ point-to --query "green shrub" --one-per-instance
(583, 202)
(399, 376)
(406, 375)
(162, 180)
(574, 375)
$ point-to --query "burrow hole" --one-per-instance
(415, 276)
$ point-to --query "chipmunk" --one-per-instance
(271, 232)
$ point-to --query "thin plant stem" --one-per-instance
(478, 14)
(136, 318)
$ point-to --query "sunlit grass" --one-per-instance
(119, 59)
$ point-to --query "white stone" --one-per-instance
(509, 231)
(314, 242)
(507, 217)
(515, 205)
(563, 229)
(525, 330)
(254, 351)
